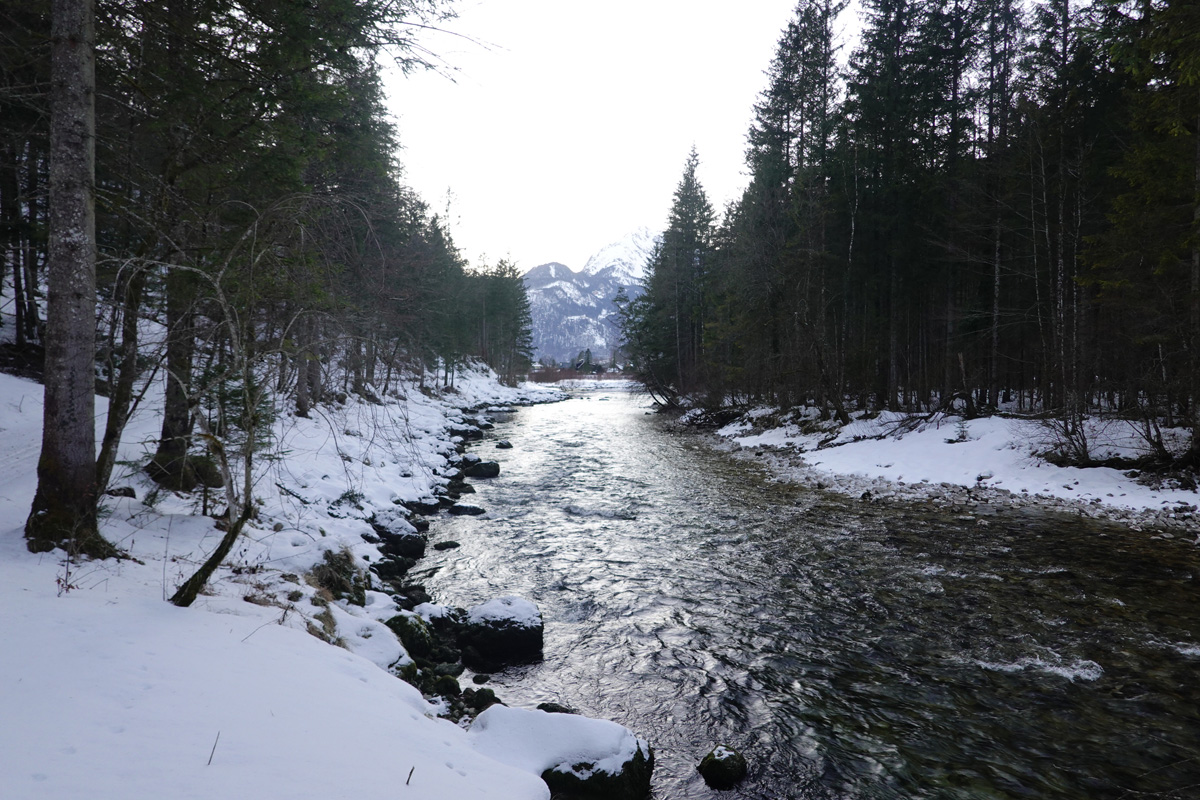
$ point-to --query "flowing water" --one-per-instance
(849, 650)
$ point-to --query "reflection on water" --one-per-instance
(850, 651)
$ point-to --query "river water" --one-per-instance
(849, 650)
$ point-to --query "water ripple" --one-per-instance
(851, 651)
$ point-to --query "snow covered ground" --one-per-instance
(956, 462)
(108, 691)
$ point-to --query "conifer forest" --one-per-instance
(983, 204)
(253, 234)
(974, 204)
(246, 370)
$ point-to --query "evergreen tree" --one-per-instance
(677, 283)
(1147, 264)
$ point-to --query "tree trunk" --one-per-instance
(64, 507)
(10, 223)
(121, 397)
(32, 315)
(170, 466)
(303, 356)
(1194, 311)
(316, 389)
(994, 359)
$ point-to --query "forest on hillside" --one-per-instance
(253, 238)
(993, 205)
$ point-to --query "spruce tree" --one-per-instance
(678, 278)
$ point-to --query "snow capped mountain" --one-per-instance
(627, 258)
(573, 311)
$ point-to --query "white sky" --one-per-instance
(571, 128)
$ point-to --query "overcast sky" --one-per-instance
(569, 128)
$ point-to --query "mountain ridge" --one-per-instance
(572, 311)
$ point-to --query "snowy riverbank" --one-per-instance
(965, 464)
(111, 692)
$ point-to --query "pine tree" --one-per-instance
(678, 278)
(1147, 264)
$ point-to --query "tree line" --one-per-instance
(992, 205)
(254, 248)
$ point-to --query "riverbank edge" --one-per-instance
(330, 480)
(787, 454)
(468, 419)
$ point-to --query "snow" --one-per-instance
(722, 753)
(109, 691)
(998, 457)
(627, 257)
(536, 741)
(572, 310)
(114, 693)
(432, 611)
(513, 610)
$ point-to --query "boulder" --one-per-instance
(479, 699)
(467, 432)
(446, 686)
(584, 780)
(411, 596)
(576, 756)
(465, 509)
(507, 630)
(482, 469)
(414, 633)
(444, 619)
(504, 444)
(426, 505)
(392, 570)
(723, 767)
(447, 545)
(402, 545)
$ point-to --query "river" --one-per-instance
(848, 650)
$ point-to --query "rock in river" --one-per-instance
(507, 630)
(482, 469)
(576, 756)
(723, 767)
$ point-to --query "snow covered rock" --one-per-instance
(507, 630)
(423, 505)
(575, 756)
(466, 431)
(723, 767)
